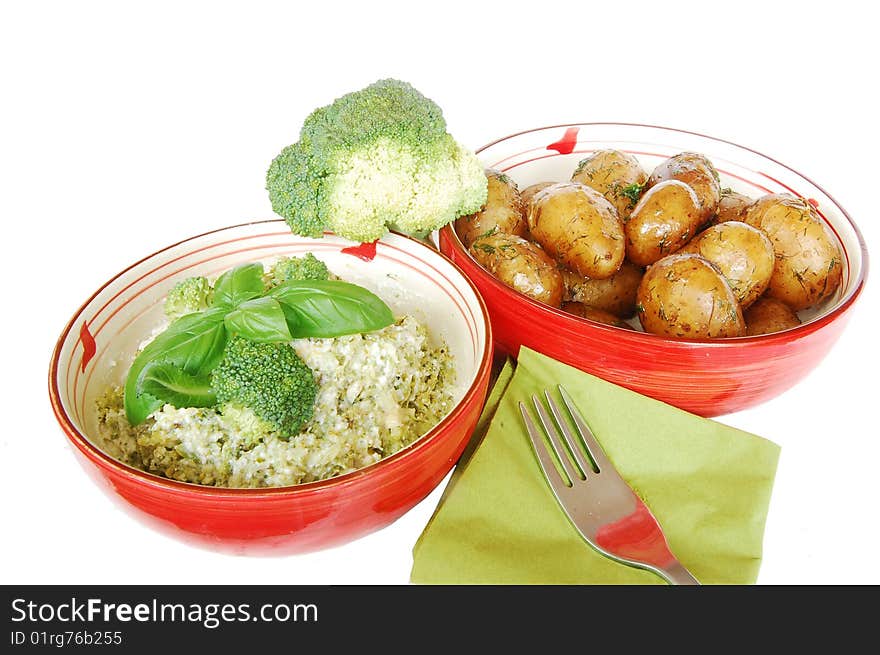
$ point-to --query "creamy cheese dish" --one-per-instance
(377, 393)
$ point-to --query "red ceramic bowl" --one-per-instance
(408, 275)
(706, 377)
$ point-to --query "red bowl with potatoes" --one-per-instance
(706, 376)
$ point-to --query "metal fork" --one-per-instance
(598, 502)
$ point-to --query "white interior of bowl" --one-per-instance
(552, 153)
(409, 276)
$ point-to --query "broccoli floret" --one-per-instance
(188, 296)
(244, 422)
(269, 378)
(307, 267)
(295, 189)
(375, 159)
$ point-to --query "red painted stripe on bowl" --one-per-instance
(88, 345)
(363, 251)
(567, 143)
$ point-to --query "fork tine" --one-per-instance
(555, 441)
(572, 442)
(544, 458)
(593, 448)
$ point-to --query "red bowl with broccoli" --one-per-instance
(172, 485)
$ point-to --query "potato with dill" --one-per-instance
(683, 295)
(732, 207)
(768, 315)
(521, 265)
(697, 172)
(579, 228)
(594, 314)
(616, 175)
(504, 211)
(663, 221)
(528, 194)
(742, 253)
(808, 267)
(615, 294)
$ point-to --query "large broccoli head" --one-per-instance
(270, 379)
(375, 159)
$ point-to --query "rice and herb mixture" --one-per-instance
(377, 392)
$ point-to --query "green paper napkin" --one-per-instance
(498, 522)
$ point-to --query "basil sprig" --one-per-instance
(176, 366)
(239, 284)
(174, 385)
(193, 343)
(330, 308)
(259, 319)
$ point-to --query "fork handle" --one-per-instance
(676, 574)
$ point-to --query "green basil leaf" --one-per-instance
(194, 343)
(260, 319)
(171, 384)
(330, 308)
(239, 284)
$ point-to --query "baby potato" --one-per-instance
(616, 175)
(697, 172)
(665, 218)
(504, 211)
(579, 228)
(683, 295)
(521, 265)
(742, 253)
(808, 265)
(731, 207)
(531, 191)
(768, 315)
(615, 295)
(593, 314)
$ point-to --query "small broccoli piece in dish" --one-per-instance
(188, 296)
(373, 160)
(288, 269)
(270, 379)
(244, 422)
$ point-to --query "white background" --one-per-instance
(126, 129)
